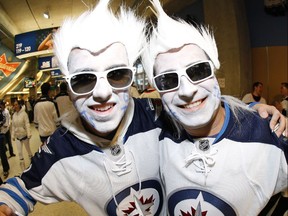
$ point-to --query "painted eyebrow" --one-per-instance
(186, 66)
(92, 69)
(116, 66)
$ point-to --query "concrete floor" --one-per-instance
(57, 209)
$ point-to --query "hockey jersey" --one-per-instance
(233, 173)
(120, 180)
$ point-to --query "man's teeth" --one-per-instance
(102, 109)
(189, 106)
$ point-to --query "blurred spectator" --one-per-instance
(29, 110)
(63, 101)
(45, 114)
(21, 132)
(255, 96)
(6, 129)
(150, 92)
(134, 91)
(3, 157)
(282, 105)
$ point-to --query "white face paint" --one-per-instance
(104, 108)
(192, 105)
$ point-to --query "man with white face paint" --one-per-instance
(104, 157)
(225, 160)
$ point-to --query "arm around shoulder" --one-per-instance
(6, 211)
(14, 196)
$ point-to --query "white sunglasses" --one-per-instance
(84, 82)
(196, 73)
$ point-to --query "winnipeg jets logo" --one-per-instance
(140, 206)
(146, 200)
(195, 208)
(194, 202)
(194, 212)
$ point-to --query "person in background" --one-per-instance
(31, 100)
(3, 156)
(134, 91)
(21, 132)
(282, 106)
(29, 110)
(224, 160)
(45, 114)
(256, 95)
(63, 100)
(150, 92)
(6, 113)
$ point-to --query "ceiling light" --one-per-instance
(46, 15)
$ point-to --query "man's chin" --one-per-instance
(105, 128)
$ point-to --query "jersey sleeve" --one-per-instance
(14, 194)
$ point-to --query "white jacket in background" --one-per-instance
(45, 116)
(20, 125)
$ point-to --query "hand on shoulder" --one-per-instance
(6, 211)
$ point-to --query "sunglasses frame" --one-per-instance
(182, 72)
(100, 74)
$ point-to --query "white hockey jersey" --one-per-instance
(234, 173)
(122, 180)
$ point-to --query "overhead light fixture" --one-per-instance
(46, 15)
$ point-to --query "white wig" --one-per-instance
(97, 29)
(170, 34)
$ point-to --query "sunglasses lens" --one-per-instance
(120, 78)
(83, 83)
(199, 71)
(166, 81)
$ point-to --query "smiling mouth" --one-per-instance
(193, 104)
(102, 108)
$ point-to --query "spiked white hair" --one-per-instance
(97, 29)
(170, 34)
